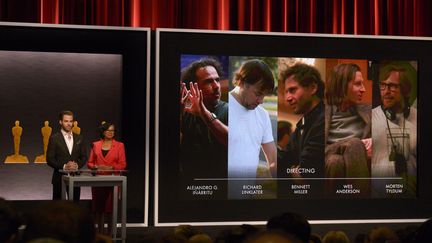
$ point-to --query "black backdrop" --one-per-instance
(37, 85)
(132, 46)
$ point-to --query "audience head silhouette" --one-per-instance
(335, 237)
(9, 222)
(424, 232)
(291, 223)
(60, 220)
(273, 236)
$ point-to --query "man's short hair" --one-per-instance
(405, 83)
(305, 75)
(255, 72)
(65, 113)
(337, 85)
(188, 74)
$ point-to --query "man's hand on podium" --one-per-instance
(71, 165)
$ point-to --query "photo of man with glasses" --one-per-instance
(394, 134)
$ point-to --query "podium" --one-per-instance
(71, 180)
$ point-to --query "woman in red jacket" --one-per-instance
(106, 154)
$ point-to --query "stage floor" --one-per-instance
(29, 182)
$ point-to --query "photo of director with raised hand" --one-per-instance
(203, 123)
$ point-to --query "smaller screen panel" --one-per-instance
(101, 74)
(37, 86)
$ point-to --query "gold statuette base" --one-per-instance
(40, 159)
(16, 159)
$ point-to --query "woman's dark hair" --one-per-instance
(103, 127)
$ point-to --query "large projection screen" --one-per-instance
(101, 74)
(201, 180)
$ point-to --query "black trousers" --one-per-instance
(57, 192)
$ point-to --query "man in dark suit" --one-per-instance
(66, 151)
(304, 155)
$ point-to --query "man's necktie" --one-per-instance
(300, 126)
